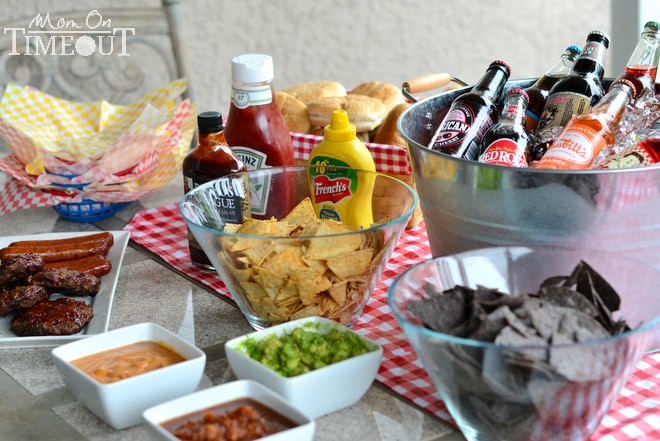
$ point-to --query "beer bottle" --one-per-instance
(211, 159)
(642, 66)
(586, 135)
(257, 132)
(539, 91)
(575, 93)
(471, 114)
(506, 141)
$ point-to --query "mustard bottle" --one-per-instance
(337, 192)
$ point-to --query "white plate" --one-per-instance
(101, 302)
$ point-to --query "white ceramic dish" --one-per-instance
(102, 302)
(121, 403)
(320, 391)
(225, 393)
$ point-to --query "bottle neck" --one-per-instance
(244, 95)
(612, 106)
(647, 51)
(513, 112)
(591, 60)
(490, 86)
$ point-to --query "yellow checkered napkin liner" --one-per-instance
(133, 148)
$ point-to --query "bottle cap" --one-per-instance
(654, 25)
(504, 64)
(252, 68)
(574, 48)
(210, 121)
(340, 129)
(599, 36)
(520, 92)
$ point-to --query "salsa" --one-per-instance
(303, 349)
(127, 361)
(239, 420)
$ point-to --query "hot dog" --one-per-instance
(97, 265)
(104, 237)
(55, 253)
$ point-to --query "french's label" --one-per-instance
(332, 186)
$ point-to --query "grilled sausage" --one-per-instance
(56, 253)
(104, 237)
(96, 265)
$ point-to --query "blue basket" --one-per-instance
(88, 210)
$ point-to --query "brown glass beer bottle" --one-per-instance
(506, 141)
(471, 114)
(539, 91)
(586, 135)
(574, 94)
(211, 159)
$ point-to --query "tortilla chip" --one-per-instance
(352, 264)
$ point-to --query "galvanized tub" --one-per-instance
(469, 205)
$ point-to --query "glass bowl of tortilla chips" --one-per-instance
(529, 342)
(281, 262)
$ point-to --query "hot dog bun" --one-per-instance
(294, 112)
(388, 93)
(364, 112)
(388, 133)
(314, 90)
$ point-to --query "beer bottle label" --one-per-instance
(455, 128)
(503, 151)
(594, 51)
(575, 149)
(561, 107)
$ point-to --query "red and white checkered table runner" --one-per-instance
(634, 416)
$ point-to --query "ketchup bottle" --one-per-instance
(257, 132)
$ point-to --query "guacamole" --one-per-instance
(303, 349)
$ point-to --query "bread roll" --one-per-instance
(388, 133)
(388, 93)
(364, 112)
(314, 90)
(294, 112)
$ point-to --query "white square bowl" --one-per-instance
(320, 391)
(121, 403)
(226, 393)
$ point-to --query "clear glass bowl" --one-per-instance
(497, 392)
(279, 281)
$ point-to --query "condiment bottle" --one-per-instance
(257, 132)
(341, 193)
(585, 136)
(471, 114)
(642, 66)
(506, 141)
(211, 159)
(539, 91)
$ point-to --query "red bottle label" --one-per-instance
(503, 151)
(454, 128)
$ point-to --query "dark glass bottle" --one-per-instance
(507, 140)
(211, 159)
(574, 94)
(539, 91)
(471, 114)
(642, 66)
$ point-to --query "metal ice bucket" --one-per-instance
(468, 205)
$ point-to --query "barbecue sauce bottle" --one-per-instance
(211, 159)
(257, 132)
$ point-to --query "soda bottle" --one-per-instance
(646, 152)
(471, 114)
(539, 91)
(583, 138)
(574, 94)
(257, 132)
(211, 159)
(642, 66)
(506, 141)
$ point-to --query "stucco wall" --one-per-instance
(352, 41)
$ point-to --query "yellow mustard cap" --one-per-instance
(340, 129)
